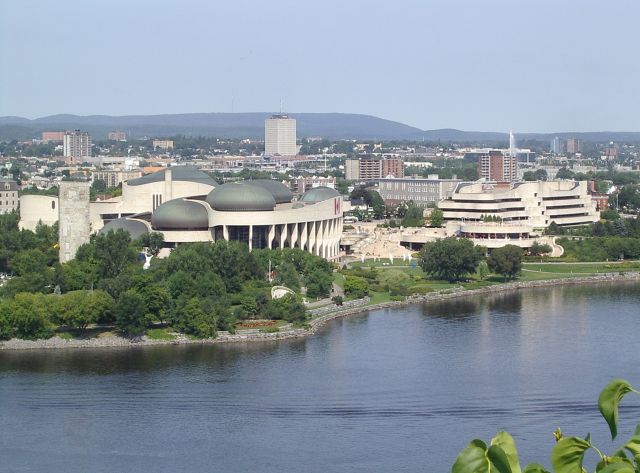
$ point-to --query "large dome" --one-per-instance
(180, 214)
(240, 197)
(318, 194)
(281, 193)
(135, 227)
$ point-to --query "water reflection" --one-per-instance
(395, 390)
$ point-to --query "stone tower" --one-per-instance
(73, 224)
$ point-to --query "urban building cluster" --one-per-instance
(162, 189)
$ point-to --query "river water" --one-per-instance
(400, 390)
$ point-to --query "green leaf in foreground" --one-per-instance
(498, 459)
(567, 455)
(505, 441)
(473, 459)
(618, 467)
(534, 468)
(609, 401)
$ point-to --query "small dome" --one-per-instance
(180, 214)
(240, 197)
(318, 194)
(136, 228)
(281, 193)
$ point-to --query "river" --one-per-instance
(396, 390)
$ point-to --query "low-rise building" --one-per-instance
(420, 191)
(371, 169)
(302, 184)
(113, 178)
(163, 144)
(8, 196)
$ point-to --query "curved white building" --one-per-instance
(186, 205)
(260, 213)
(532, 204)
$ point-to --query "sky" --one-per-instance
(485, 65)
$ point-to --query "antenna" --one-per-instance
(281, 105)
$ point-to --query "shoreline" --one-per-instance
(315, 324)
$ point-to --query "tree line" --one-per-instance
(199, 289)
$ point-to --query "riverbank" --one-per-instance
(118, 341)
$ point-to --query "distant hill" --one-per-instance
(228, 125)
(251, 125)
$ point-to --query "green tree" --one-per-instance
(192, 319)
(130, 313)
(483, 270)
(153, 241)
(289, 308)
(436, 218)
(538, 250)
(506, 261)
(564, 173)
(356, 286)
(413, 216)
(30, 317)
(450, 258)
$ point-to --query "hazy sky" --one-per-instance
(526, 65)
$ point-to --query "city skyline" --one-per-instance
(488, 66)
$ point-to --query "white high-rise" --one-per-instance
(512, 144)
(280, 136)
(76, 144)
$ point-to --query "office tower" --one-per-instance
(574, 145)
(280, 136)
(76, 144)
(512, 144)
(497, 167)
(556, 145)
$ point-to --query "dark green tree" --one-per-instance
(506, 261)
(450, 259)
(130, 313)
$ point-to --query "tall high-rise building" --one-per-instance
(76, 144)
(574, 145)
(497, 167)
(512, 144)
(556, 145)
(74, 226)
(280, 136)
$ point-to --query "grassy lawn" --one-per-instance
(581, 268)
(160, 334)
(339, 279)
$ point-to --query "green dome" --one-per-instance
(180, 214)
(318, 194)
(135, 227)
(240, 197)
(281, 193)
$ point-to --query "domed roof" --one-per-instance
(240, 197)
(135, 227)
(180, 214)
(318, 194)
(281, 193)
(178, 173)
